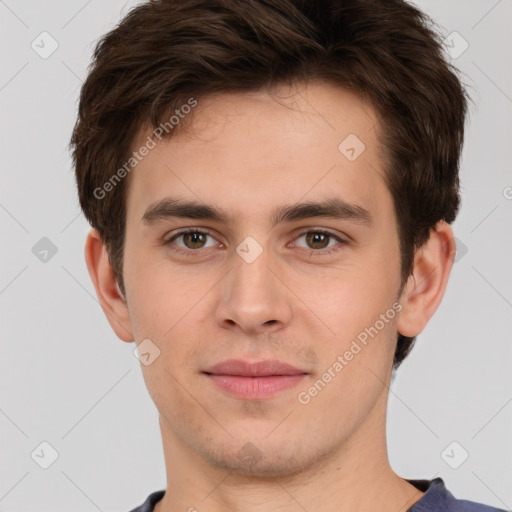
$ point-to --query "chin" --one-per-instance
(262, 459)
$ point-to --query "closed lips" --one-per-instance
(268, 368)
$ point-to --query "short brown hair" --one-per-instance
(165, 51)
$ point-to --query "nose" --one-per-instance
(252, 298)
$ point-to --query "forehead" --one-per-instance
(249, 152)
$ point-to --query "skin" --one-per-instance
(249, 153)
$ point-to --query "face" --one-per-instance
(258, 276)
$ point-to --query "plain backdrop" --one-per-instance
(69, 383)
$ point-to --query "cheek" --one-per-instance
(168, 390)
(157, 298)
(358, 304)
(350, 296)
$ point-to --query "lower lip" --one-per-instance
(255, 388)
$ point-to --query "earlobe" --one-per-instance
(427, 283)
(107, 288)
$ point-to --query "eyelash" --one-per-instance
(313, 252)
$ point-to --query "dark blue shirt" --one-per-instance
(436, 499)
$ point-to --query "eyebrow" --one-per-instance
(334, 208)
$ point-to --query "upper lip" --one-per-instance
(253, 369)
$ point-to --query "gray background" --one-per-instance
(67, 380)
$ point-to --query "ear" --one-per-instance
(427, 283)
(110, 297)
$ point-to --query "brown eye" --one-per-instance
(194, 240)
(317, 240)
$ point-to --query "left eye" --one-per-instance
(319, 238)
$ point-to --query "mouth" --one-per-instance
(254, 381)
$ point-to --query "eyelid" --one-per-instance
(327, 231)
(183, 231)
(341, 240)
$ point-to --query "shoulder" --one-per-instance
(438, 498)
(472, 506)
(150, 502)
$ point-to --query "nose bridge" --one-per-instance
(250, 280)
(252, 295)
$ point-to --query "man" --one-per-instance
(271, 185)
